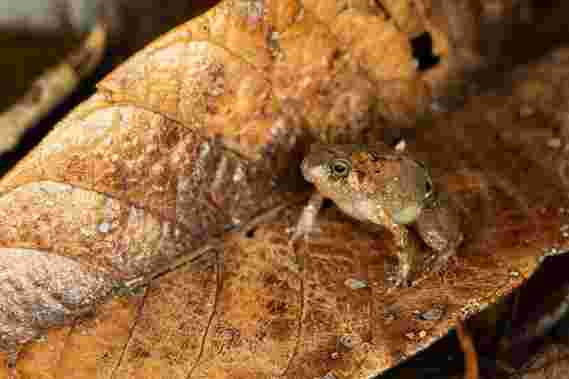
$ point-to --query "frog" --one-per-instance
(386, 187)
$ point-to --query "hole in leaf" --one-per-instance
(423, 51)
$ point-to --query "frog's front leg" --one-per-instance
(406, 252)
(439, 226)
(307, 221)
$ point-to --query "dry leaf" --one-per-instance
(200, 132)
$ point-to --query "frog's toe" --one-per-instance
(398, 276)
(399, 282)
(396, 282)
(303, 232)
(440, 261)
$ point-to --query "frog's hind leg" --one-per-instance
(443, 225)
(439, 225)
(480, 218)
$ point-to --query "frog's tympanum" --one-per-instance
(389, 188)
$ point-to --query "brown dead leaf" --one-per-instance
(202, 131)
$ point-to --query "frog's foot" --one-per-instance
(439, 261)
(398, 276)
(397, 282)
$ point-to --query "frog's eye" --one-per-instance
(340, 168)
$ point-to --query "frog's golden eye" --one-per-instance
(340, 168)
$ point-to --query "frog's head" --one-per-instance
(369, 183)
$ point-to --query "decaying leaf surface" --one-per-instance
(133, 179)
(242, 59)
(41, 290)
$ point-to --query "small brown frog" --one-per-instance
(386, 187)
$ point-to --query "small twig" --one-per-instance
(470, 356)
(86, 58)
(51, 88)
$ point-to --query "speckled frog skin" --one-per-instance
(389, 188)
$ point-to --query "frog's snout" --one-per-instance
(314, 165)
(305, 169)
